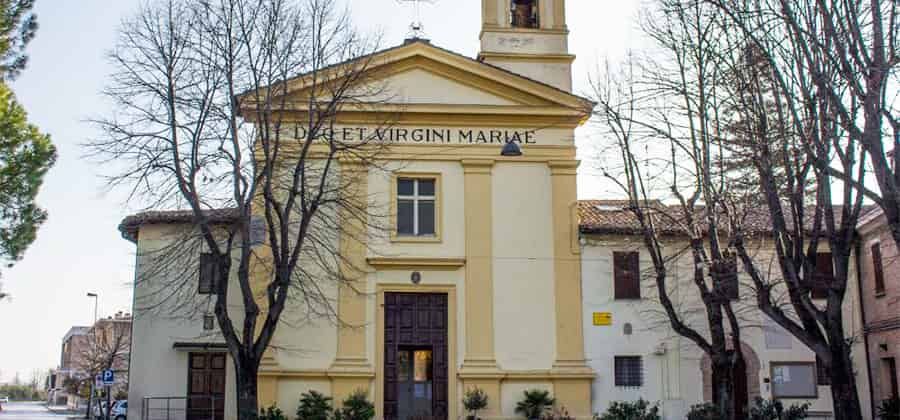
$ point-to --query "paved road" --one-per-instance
(27, 410)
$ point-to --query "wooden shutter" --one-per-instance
(626, 275)
(727, 277)
(209, 274)
(823, 275)
(878, 268)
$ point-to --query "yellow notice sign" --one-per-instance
(602, 318)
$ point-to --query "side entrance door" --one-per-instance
(415, 356)
(206, 386)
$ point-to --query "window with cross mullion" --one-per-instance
(415, 207)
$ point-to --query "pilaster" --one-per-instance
(479, 354)
(559, 14)
(351, 343)
(572, 381)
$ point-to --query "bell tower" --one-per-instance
(528, 37)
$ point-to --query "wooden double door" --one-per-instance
(415, 356)
(206, 386)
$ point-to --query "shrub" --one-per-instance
(314, 406)
(560, 414)
(774, 410)
(356, 407)
(705, 411)
(631, 410)
(889, 409)
(537, 402)
(271, 413)
(475, 399)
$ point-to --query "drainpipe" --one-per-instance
(862, 312)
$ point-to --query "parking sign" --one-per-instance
(108, 377)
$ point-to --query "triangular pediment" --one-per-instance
(419, 85)
(418, 74)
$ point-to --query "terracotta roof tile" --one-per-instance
(613, 217)
(130, 225)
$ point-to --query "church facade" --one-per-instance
(471, 228)
(491, 276)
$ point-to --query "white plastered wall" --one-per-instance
(674, 378)
(157, 369)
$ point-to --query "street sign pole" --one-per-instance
(108, 381)
(108, 404)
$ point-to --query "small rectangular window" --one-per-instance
(416, 207)
(878, 268)
(626, 275)
(209, 274)
(629, 371)
(209, 322)
(822, 377)
(823, 276)
(727, 277)
(890, 376)
(794, 380)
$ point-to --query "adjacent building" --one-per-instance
(74, 345)
(636, 354)
(107, 342)
(880, 290)
(110, 345)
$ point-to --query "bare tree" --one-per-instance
(848, 52)
(108, 346)
(663, 111)
(794, 82)
(228, 109)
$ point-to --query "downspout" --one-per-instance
(862, 311)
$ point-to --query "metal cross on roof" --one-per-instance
(416, 28)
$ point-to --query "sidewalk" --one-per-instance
(65, 410)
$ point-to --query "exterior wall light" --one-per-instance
(511, 149)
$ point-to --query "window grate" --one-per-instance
(629, 371)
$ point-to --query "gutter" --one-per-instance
(862, 312)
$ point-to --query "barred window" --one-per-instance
(629, 371)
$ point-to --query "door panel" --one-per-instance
(206, 386)
(415, 356)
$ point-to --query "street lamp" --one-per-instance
(94, 295)
(91, 398)
(511, 149)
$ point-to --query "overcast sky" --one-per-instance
(79, 249)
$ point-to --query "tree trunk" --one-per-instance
(843, 384)
(87, 414)
(723, 387)
(246, 381)
(729, 379)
